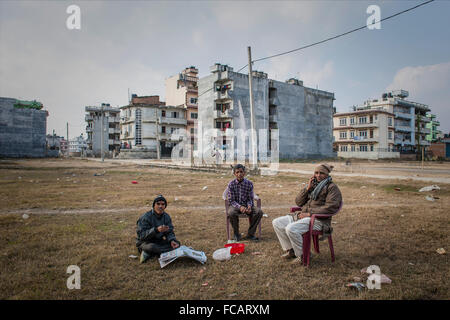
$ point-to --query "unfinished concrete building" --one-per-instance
(23, 126)
(105, 117)
(302, 116)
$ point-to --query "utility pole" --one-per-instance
(254, 160)
(158, 155)
(102, 139)
(67, 146)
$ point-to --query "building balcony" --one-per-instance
(225, 114)
(89, 129)
(273, 118)
(114, 119)
(404, 142)
(221, 76)
(425, 130)
(403, 115)
(165, 120)
(113, 130)
(223, 96)
(403, 128)
(169, 137)
(88, 117)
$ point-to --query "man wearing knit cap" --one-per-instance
(155, 231)
(320, 196)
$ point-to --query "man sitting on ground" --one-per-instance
(240, 196)
(321, 196)
(155, 231)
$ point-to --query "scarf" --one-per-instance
(319, 187)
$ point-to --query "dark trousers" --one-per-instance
(154, 249)
(255, 217)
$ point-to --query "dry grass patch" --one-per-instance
(397, 230)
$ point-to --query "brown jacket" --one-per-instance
(327, 202)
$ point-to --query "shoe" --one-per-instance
(144, 256)
(253, 238)
(289, 254)
(237, 237)
(297, 260)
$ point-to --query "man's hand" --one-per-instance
(310, 183)
(243, 209)
(163, 228)
(302, 215)
(174, 244)
(248, 210)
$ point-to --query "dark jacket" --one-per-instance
(328, 201)
(146, 228)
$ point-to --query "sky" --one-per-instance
(136, 45)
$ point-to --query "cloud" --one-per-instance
(429, 85)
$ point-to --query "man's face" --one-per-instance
(239, 174)
(320, 175)
(159, 207)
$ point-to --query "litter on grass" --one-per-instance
(430, 188)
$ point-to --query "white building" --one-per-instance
(147, 125)
(407, 120)
(77, 146)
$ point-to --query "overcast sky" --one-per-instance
(138, 44)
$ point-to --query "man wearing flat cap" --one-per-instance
(320, 196)
(155, 231)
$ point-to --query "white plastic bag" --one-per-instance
(222, 254)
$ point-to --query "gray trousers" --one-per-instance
(290, 233)
(255, 217)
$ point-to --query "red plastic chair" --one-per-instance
(314, 234)
(227, 206)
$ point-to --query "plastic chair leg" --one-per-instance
(330, 243)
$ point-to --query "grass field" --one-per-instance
(84, 213)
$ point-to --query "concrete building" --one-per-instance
(55, 145)
(409, 121)
(147, 125)
(433, 127)
(366, 134)
(77, 146)
(300, 116)
(107, 118)
(182, 91)
(23, 126)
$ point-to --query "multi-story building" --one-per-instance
(182, 91)
(433, 127)
(301, 117)
(147, 125)
(23, 125)
(77, 146)
(409, 122)
(107, 118)
(367, 134)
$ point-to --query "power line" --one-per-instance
(338, 36)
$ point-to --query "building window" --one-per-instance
(352, 120)
(390, 135)
(174, 114)
(352, 148)
(194, 115)
(362, 120)
(352, 134)
(363, 148)
(363, 134)
(193, 100)
(163, 129)
(371, 134)
(371, 147)
(343, 135)
(192, 130)
(344, 148)
(172, 130)
(390, 121)
(163, 113)
(343, 121)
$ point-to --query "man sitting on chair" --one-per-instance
(321, 196)
(240, 196)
